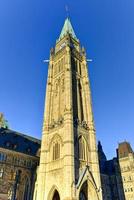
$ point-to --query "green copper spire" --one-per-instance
(67, 28)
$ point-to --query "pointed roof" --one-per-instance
(124, 149)
(67, 28)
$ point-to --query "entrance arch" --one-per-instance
(84, 192)
(56, 196)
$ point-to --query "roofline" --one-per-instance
(25, 136)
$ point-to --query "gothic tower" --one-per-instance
(69, 168)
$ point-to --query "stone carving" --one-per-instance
(82, 124)
(10, 193)
(68, 109)
(57, 123)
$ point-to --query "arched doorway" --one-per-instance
(56, 195)
(83, 192)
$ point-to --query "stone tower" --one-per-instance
(69, 168)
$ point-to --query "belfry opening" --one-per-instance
(56, 196)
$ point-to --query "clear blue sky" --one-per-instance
(29, 28)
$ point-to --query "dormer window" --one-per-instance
(14, 146)
(29, 150)
(8, 144)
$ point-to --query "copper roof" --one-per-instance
(124, 149)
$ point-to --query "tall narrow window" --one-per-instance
(81, 102)
(27, 189)
(54, 69)
(80, 68)
(61, 64)
(82, 149)
(3, 157)
(56, 151)
(84, 192)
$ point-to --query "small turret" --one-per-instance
(3, 121)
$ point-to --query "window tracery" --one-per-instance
(56, 150)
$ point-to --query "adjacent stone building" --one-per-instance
(117, 175)
(19, 157)
(126, 163)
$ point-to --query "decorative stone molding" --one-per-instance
(57, 123)
(82, 124)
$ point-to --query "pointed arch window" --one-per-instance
(83, 193)
(56, 196)
(82, 149)
(27, 189)
(56, 151)
(82, 196)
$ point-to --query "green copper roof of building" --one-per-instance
(67, 28)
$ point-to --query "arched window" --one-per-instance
(82, 196)
(56, 196)
(83, 192)
(82, 149)
(56, 151)
(27, 189)
(3, 157)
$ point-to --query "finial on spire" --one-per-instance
(67, 28)
(67, 11)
